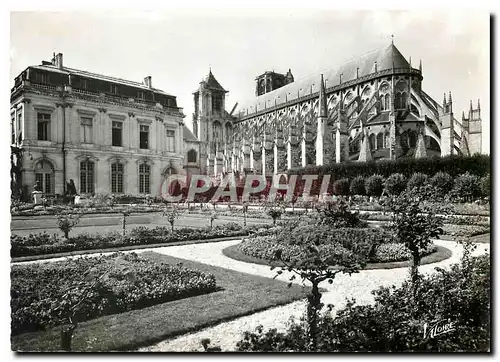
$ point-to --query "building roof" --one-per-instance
(211, 82)
(84, 73)
(385, 58)
(188, 135)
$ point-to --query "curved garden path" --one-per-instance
(227, 334)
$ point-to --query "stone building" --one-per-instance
(108, 135)
(371, 108)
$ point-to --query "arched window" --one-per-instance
(144, 178)
(217, 131)
(372, 139)
(117, 178)
(44, 176)
(398, 103)
(87, 178)
(192, 156)
(229, 132)
(404, 99)
(413, 138)
(386, 102)
(380, 140)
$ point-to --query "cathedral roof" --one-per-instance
(188, 135)
(211, 83)
(385, 58)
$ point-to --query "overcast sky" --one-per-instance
(177, 48)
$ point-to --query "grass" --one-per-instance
(440, 254)
(241, 294)
(482, 238)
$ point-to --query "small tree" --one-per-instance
(374, 185)
(316, 267)
(245, 210)
(415, 227)
(125, 213)
(171, 215)
(417, 181)
(466, 187)
(486, 185)
(358, 186)
(395, 184)
(213, 217)
(67, 222)
(275, 210)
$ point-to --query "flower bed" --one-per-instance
(42, 294)
(43, 243)
(380, 244)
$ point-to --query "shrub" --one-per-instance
(466, 187)
(341, 187)
(395, 184)
(417, 181)
(67, 222)
(358, 186)
(460, 295)
(339, 215)
(42, 294)
(374, 185)
(486, 185)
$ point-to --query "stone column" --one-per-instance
(289, 153)
(303, 146)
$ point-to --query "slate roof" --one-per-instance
(385, 57)
(84, 73)
(212, 83)
(188, 135)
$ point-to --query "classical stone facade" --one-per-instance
(108, 135)
(371, 108)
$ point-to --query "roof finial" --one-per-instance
(478, 106)
(463, 115)
(449, 97)
(392, 39)
(420, 66)
(471, 104)
(444, 99)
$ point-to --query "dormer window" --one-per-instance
(114, 89)
(140, 95)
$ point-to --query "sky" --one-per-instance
(177, 48)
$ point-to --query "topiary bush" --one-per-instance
(417, 180)
(395, 184)
(486, 185)
(466, 187)
(442, 183)
(341, 187)
(374, 185)
(357, 186)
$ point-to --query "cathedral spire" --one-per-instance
(444, 100)
(322, 99)
(449, 98)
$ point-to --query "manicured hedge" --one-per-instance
(42, 294)
(43, 243)
(454, 165)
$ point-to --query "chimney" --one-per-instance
(59, 61)
(147, 81)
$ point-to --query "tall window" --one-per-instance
(117, 177)
(19, 127)
(43, 122)
(87, 177)
(86, 130)
(170, 141)
(12, 130)
(143, 137)
(44, 176)
(113, 89)
(144, 176)
(116, 134)
(191, 156)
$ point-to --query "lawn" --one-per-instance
(241, 294)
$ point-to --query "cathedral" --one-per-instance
(369, 109)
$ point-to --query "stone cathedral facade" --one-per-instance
(369, 109)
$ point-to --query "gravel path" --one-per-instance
(226, 335)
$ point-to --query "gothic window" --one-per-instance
(229, 132)
(44, 176)
(217, 131)
(413, 138)
(217, 102)
(397, 103)
(372, 140)
(380, 140)
(404, 100)
(191, 156)
(117, 177)
(387, 140)
(386, 102)
(144, 178)
(87, 177)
